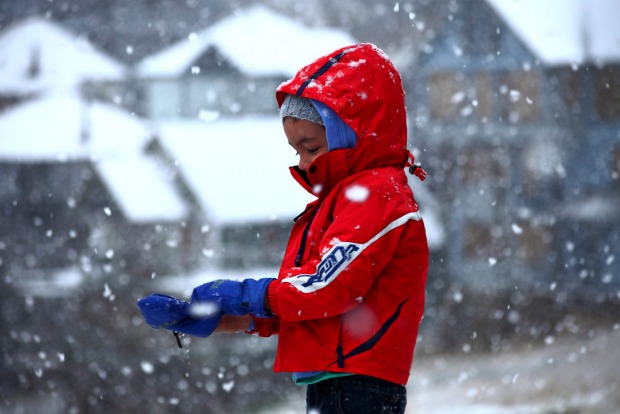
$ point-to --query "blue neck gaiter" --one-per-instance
(339, 134)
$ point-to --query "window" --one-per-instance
(607, 85)
(454, 95)
(485, 171)
(164, 99)
(483, 240)
(520, 92)
(572, 89)
(484, 95)
(9, 190)
(212, 61)
(484, 165)
(445, 95)
(615, 167)
(478, 240)
(7, 102)
(533, 243)
(543, 162)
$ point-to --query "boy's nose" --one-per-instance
(303, 164)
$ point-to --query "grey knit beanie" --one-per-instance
(300, 108)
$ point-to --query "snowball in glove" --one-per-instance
(167, 312)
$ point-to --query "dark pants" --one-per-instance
(356, 394)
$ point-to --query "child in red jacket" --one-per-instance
(349, 295)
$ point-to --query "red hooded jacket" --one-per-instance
(350, 293)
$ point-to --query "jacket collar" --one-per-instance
(324, 173)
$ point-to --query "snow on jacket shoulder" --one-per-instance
(350, 293)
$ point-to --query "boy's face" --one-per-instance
(307, 138)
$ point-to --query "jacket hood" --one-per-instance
(362, 86)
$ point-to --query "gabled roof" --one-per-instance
(63, 127)
(141, 189)
(38, 55)
(565, 32)
(57, 129)
(237, 168)
(257, 41)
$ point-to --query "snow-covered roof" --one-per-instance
(237, 168)
(56, 283)
(141, 188)
(63, 128)
(564, 32)
(258, 41)
(38, 55)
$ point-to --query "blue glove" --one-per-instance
(234, 297)
(163, 311)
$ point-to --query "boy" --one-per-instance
(349, 295)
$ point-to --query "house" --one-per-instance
(81, 189)
(232, 67)
(84, 186)
(212, 97)
(38, 56)
(517, 113)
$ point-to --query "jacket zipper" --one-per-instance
(370, 342)
(326, 66)
(304, 238)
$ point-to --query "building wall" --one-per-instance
(508, 145)
(198, 96)
(56, 215)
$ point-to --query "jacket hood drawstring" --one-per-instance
(415, 168)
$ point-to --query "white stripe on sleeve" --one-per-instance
(339, 257)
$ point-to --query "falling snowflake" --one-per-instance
(228, 386)
(356, 193)
(147, 367)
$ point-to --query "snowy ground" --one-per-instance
(563, 375)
